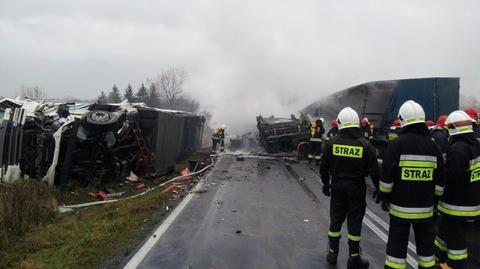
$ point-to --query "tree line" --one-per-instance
(166, 91)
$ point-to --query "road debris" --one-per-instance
(200, 191)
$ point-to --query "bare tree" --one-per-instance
(170, 86)
(35, 92)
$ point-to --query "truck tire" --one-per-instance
(100, 121)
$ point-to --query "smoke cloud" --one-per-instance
(244, 58)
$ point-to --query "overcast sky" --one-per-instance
(245, 57)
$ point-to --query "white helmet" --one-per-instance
(410, 113)
(459, 122)
(224, 126)
(347, 118)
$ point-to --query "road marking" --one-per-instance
(145, 249)
(384, 237)
(382, 223)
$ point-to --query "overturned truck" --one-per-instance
(379, 101)
(282, 134)
(92, 143)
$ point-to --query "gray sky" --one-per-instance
(245, 57)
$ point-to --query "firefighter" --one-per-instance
(316, 131)
(347, 158)
(333, 130)
(413, 175)
(365, 128)
(219, 138)
(472, 112)
(429, 124)
(440, 134)
(311, 153)
(316, 140)
(394, 130)
(461, 200)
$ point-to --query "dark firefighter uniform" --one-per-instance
(317, 131)
(413, 173)
(461, 199)
(440, 135)
(366, 129)
(347, 158)
(218, 138)
(332, 132)
(476, 129)
(393, 133)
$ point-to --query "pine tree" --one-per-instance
(129, 94)
(153, 99)
(142, 94)
(114, 96)
(102, 98)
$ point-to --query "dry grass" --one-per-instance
(86, 238)
(34, 236)
(24, 205)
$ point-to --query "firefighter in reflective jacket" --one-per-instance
(440, 134)
(394, 130)
(333, 130)
(461, 200)
(413, 175)
(219, 138)
(347, 158)
(472, 112)
(317, 130)
(365, 128)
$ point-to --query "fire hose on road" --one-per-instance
(68, 208)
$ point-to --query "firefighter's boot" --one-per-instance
(355, 260)
(332, 254)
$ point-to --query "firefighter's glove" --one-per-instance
(385, 206)
(376, 196)
(326, 190)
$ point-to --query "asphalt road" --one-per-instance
(258, 213)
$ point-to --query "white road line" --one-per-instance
(377, 219)
(143, 251)
(382, 223)
(384, 237)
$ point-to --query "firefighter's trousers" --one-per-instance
(347, 202)
(315, 149)
(216, 141)
(450, 244)
(397, 244)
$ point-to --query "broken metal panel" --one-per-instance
(192, 134)
(171, 134)
(170, 137)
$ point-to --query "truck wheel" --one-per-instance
(100, 121)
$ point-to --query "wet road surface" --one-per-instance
(261, 213)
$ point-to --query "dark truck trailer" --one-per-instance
(171, 135)
(282, 134)
(379, 101)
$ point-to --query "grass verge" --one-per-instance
(86, 238)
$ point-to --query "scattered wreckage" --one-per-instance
(283, 134)
(93, 143)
